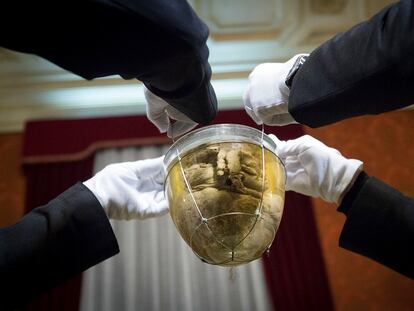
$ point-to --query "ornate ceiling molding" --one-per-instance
(242, 18)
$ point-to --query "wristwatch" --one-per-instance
(296, 66)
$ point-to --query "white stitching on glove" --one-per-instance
(316, 170)
(266, 97)
(159, 113)
(131, 190)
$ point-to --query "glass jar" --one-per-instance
(225, 187)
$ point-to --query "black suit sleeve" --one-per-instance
(380, 224)
(366, 70)
(52, 243)
(160, 42)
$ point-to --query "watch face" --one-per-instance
(298, 63)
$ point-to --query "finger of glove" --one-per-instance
(156, 111)
(159, 209)
(143, 207)
(182, 125)
(252, 115)
(148, 167)
(150, 204)
(279, 144)
(179, 128)
(277, 107)
(280, 120)
(306, 141)
(331, 172)
(275, 114)
(177, 115)
(249, 109)
(161, 122)
(297, 178)
(323, 167)
(154, 209)
(296, 146)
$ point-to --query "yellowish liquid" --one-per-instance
(232, 213)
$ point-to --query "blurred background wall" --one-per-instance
(383, 143)
(243, 34)
(11, 179)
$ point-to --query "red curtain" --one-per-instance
(295, 270)
(59, 153)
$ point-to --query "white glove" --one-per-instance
(131, 189)
(266, 97)
(159, 112)
(316, 170)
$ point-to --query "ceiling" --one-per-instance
(243, 34)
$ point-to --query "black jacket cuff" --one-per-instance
(351, 195)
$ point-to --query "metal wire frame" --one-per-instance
(204, 220)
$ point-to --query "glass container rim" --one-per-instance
(224, 128)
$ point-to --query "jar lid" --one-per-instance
(217, 133)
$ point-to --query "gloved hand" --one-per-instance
(316, 170)
(131, 189)
(266, 97)
(159, 112)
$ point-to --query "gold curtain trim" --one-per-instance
(77, 156)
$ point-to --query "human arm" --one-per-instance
(162, 43)
(266, 97)
(380, 220)
(53, 243)
(379, 224)
(368, 69)
(131, 190)
(72, 232)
